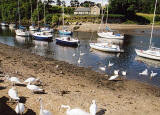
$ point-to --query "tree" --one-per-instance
(59, 2)
(87, 4)
(74, 3)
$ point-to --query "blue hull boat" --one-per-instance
(65, 32)
(66, 42)
(42, 36)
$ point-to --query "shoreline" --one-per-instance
(76, 86)
(90, 27)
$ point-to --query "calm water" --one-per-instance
(127, 61)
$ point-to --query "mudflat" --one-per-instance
(71, 85)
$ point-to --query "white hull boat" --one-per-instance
(106, 47)
(150, 53)
(42, 36)
(4, 24)
(110, 35)
(21, 32)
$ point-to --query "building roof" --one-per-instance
(83, 9)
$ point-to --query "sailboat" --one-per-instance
(21, 31)
(109, 33)
(152, 52)
(41, 35)
(46, 28)
(64, 30)
(32, 27)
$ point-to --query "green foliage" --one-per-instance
(55, 18)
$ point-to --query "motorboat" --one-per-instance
(21, 31)
(106, 47)
(68, 41)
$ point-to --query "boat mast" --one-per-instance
(63, 13)
(102, 16)
(38, 12)
(107, 14)
(31, 10)
(153, 25)
(19, 13)
(44, 13)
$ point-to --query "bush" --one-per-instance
(55, 18)
(157, 18)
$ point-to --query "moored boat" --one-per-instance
(106, 47)
(42, 36)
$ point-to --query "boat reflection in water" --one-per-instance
(23, 41)
(41, 47)
(153, 63)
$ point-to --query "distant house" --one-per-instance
(95, 10)
(82, 11)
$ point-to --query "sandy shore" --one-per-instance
(90, 27)
(71, 85)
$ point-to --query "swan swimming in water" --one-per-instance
(43, 111)
(145, 72)
(152, 74)
(110, 64)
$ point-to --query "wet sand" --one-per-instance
(90, 27)
(72, 85)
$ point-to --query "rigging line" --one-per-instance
(153, 24)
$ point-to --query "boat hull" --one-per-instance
(66, 43)
(146, 54)
(104, 48)
(22, 33)
(110, 35)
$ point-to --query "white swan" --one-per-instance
(14, 80)
(153, 74)
(74, 54)
(43, 111)
(31, 80)
(79, 60)
(110, 64)
(102, 68)
(20, 108)
(81, 54)
(93, 108)
(13, 94)
(145, 72)
(116, 72)
(124, 73)
(75, 111)
(113, 77)
(34, 88)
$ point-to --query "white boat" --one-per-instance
(22, 32)
(152, 52)
(3, 24)
(106, 47)
(109, 34)
(12, 26)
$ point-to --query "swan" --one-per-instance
(93, 108)
(57, 66)
(14, 80)
(81, 54)
(153, 74)
(75, 111)
(13, 94)
(20, 108)
(31, 80)
(42, 111)
(74, 54)
(145, 72)
(102, 68)
(110, 64)
(116, 72)
(34, 88)
(124, 73)
(113, 77)
(79, 61)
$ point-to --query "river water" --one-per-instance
(126, 61)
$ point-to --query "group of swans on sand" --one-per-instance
(20, 107)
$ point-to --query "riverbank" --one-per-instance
(72, 85)
(90, 27)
